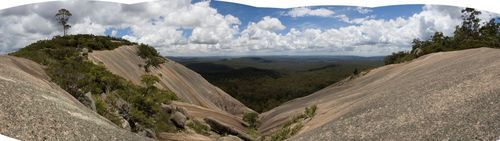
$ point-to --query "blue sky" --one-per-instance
(252, 14)
(213, 28)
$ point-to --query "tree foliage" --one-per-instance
(62, 17)
(470, 34)
(153, 58)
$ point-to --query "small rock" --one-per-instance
(125, 124)
(179, 119)
(182, 110)
(167, 108)
(91, 100)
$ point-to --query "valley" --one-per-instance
(264, 82)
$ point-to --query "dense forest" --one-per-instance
(263, 83)
(472, 33)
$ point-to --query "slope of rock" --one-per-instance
(447, 95)
(33, 108)
(187, 84)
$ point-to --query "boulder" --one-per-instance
(91, 101)
(125, 124)
(167, 108)
(179, 119)
(182, 110)
(222, 128)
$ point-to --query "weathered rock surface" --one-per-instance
(198, 112)
(223, 129)
(33, 108)
(184, 137)
(229, 138)
(187, 84)
(441, 96)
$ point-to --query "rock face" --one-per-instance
(222, 128)
(187, 84)
(33, 108)
(441, 96)
(232, 122)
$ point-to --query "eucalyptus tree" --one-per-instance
(62, 17)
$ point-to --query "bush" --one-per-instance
(103, 110)
(153, 58)
(293, 126)
(251, 119)
(286, 132)
(310, 111)
(199, 127)
(398, 57)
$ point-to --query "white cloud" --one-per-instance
(304, 11)
(163, 24)
(268, 23)
(363, 10)
(367, 36)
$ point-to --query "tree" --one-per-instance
(356, 71)
(470, 24)
(62, 17)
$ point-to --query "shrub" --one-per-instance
(310, 111)
(293, 126)
(251, 119)
(103, 110)
(286, 132)
(153, 58)
(199, 127)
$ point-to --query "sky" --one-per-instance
(213, 28)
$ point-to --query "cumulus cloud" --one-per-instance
(304, 11)
(366, 36)
(180, 27)
(158, 23)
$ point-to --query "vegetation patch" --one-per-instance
(310, 111)
(68, 67)
(470, 34)
(252, 119)
(103, 110)
(293, 126)
(199, 128)
(153, 58)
